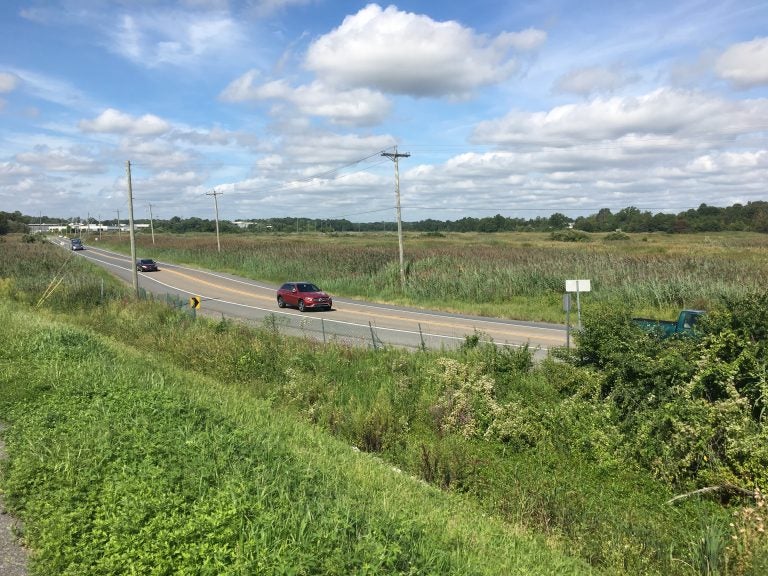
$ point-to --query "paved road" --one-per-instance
(351, 320)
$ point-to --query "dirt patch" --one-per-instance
(13, 556)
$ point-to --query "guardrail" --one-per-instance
(322, 329)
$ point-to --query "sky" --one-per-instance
(284, 108)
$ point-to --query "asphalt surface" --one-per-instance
(13, 556)
(350, 321)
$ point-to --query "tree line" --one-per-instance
(749, 217)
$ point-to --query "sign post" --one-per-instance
(578, 286)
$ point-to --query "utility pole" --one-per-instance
(119, 235)
(151, 226)
(394, 156)
(131, 232)
(216, 203)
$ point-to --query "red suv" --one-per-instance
(303, 295)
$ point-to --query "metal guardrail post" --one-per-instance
(373, 336)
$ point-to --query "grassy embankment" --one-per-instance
(124, 465)
(518, 276)
(206, 442)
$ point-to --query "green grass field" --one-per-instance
(140, 436)
(511, 275)
(123, 464)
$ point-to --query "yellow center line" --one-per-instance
(380, 313)
(219, 286)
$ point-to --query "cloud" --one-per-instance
(113, 121)
(51, 89)
(663, 150)
(8, 82)
(592, 79)
(155, 155)
(12, 172)
(745, 65)
(60, 160)
(399, 52)
(266, 7)
(663, 112)
(525, 41)
(355, 107)
(175, 38)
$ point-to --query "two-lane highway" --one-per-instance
(228, 296)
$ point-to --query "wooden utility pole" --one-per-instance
(394, 156)
(151, 225)
(216, 203)
(131, 233)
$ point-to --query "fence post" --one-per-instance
(373, 336)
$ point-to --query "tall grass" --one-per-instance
(37, 273)
(120, 465)
(554, 472)
(509, 275)
(523, 442)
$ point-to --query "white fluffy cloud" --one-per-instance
(745, 65)
(358, 107)
(660, 150)
(113, 121)
(178, 38)
(663, 112)
(404, 53)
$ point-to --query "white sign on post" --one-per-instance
(578, 286)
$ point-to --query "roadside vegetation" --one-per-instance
(142, 435)
(519, 276)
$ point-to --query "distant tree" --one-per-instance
(559, 221)
(681, 225)
(760, 220)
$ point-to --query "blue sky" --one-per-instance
(285, 106)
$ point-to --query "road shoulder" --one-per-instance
(13, 556)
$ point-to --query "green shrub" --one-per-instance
(617, 236)
(570, 235)
(690, 409)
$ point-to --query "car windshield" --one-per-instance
(146, 261)
(308, 288)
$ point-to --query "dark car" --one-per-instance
(146, 265)
(76, 244)
(304, 296)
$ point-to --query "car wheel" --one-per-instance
(301, 306)
(280, 302)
